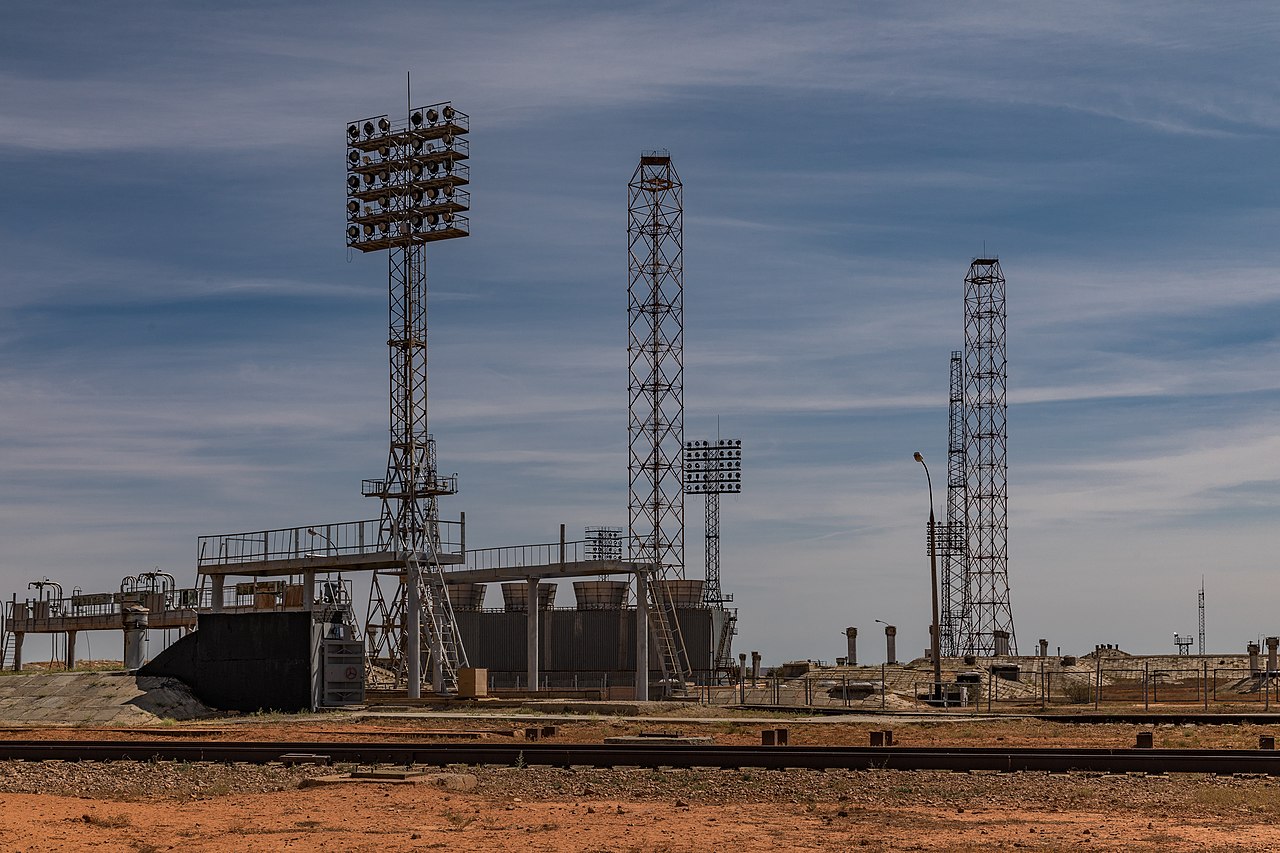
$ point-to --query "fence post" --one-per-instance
(1097, 685)
(1204, 664)
(1146, 677)
(844, 688)
(882, 687)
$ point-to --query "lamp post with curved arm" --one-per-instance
(933, 586)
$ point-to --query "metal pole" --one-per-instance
(933, 587)
(531, 632)
(1146, 679)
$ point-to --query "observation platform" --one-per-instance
(355, 546)
(351, 546)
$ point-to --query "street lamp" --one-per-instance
(933, 585)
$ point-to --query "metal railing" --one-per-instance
(343, 539)
(98, 604)
(514, 556)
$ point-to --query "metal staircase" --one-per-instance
(723, 662)
(439, 626)
(665, 628)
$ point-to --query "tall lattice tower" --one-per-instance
(953, 545)
(986, 461)
(655, 349)
(714, 469)
(405, 184)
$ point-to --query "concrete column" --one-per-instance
(755, 666)
(413, 630)
(135, 636)
(17, 651)
(1255, 666)
(219, 581)
(890, 644)
(1001, 642)
(1273, 643)
(531, 631)
(851, 635)
(71, 650)
(1044, 648)
(309, 590)
(642, 637)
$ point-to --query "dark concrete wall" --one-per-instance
(244, 661)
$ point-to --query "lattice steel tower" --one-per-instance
(953, 546)
(713, 469)
(404, 190)
(986, 461)
(655, 349)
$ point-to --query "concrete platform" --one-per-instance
(95, 698)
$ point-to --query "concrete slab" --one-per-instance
(95, 698)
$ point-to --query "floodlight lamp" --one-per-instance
(368, 128)
(417, 146)
(368, 179)
(353, 207)
(368, 230)
(432, 116)
(447, 139)
(416, 170)
(449, 112)
(353, 157)
(448, 190)
(353, 182)
(353, 131)
(383, 124)
(416, 118)
(432, 192)
(384, 151)
(448, 216)
(432, 219)
(384, 176)
(416, 195)
(353, 231)
(434, 167)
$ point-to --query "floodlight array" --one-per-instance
(713, 468)
(405, 179)
(604, 543)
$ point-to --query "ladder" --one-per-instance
(440, 626)
(665, 628)
(724, 646)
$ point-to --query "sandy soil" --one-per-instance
(402, 817)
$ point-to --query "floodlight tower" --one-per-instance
(655, 349)
(713, 470)
(405, 184)
(986, 461)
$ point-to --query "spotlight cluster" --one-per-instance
(713, 468)
(405, 179)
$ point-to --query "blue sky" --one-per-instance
(186, 348)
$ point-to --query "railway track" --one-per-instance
(1005, 760)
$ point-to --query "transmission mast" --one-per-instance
(404, 190)
(954, 545)
(986, 459)
(655, 349)
(1202, 614)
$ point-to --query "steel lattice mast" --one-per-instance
(404, 190)
(655, 349)
(986, 460)
(954, 545)
(713, 470)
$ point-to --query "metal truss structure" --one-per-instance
(986, 460)
(953, 544)
(713, 470)
(655, 349)
(404, 190)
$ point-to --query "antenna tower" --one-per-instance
(954, 549)
(655, 349)
(986, 461)
(1202, 614)
(404, 190)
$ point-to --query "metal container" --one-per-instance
(600, 595)
(684, 593)
(467, 596)
(515, 596)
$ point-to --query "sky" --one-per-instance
(187, 348)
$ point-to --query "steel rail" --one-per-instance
(1007, 760)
